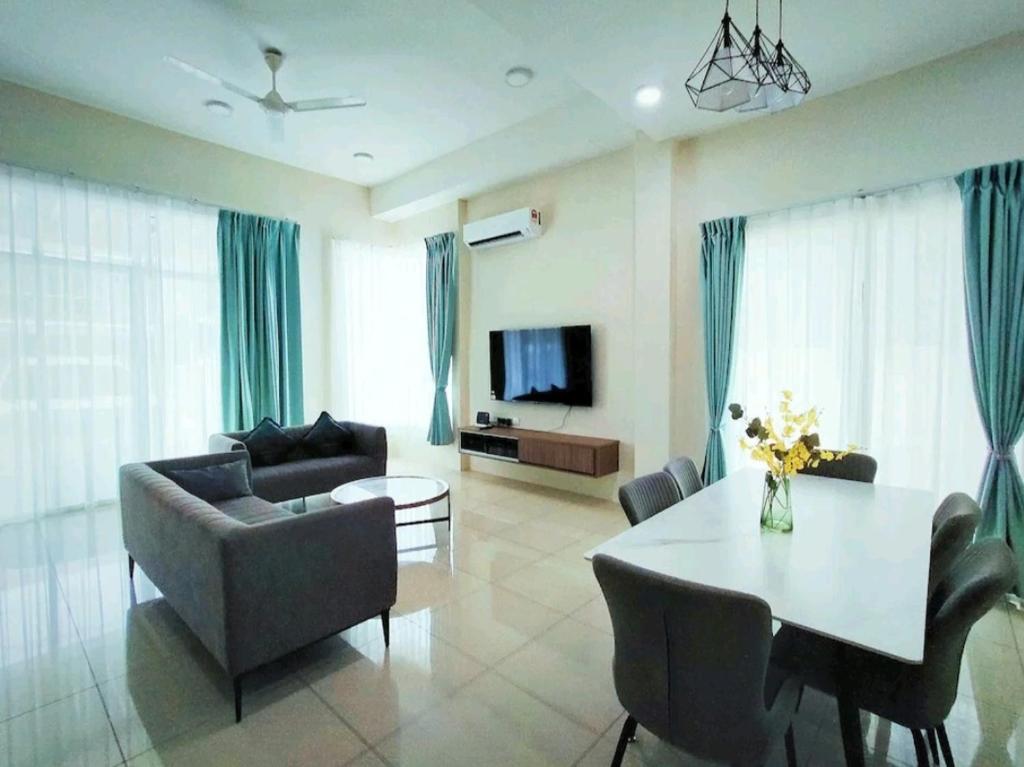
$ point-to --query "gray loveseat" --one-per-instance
(250, 579)
(312, 476)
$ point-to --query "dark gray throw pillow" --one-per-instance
(326, 438)
(268, 444)
(214, 483)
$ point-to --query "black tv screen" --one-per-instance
(550, 365)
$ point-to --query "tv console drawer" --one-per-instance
(591, 456)
(557, 455)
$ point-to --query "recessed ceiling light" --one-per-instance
(517, 77)
(648, 95)
(219, 107)
(363, 156)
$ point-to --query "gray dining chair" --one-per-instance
(691, 665)
(645, 496)
(953, 528)
(858, 467)
(684, 472)
(916, 696)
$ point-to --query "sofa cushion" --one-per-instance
(268, 444)
(213, 483)
(297, 479)
(325, 439)
(251, 510)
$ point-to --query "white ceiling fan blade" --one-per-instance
(314, 105)
(202, 74)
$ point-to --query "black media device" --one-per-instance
(550, 365)
(483, 420)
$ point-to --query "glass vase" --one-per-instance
(776, 505)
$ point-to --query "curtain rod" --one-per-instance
(863, 193)
(138, 189)
(860, 194)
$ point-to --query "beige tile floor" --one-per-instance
(500, 654)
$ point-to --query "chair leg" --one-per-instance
(920, 749)
(131, 567)
(791, 748)
(947, 752)
(385, 620)
(628, 731)
(933, 744)
(237, 683)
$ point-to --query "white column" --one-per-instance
(652, 300)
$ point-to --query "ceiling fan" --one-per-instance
(273, 103)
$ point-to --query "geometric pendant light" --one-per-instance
(791, 78)
(762, 56)
(735, 73)
(725, 76)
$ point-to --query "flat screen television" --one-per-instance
(551, 365)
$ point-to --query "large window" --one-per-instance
(381, 366)
(109, 337)
(857, 305)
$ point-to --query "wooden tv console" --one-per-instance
(591, 456)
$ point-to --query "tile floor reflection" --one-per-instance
(500, 654)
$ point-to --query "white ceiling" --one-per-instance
(433, 70)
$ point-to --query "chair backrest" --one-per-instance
(953, 528)
(974, 584)
(858, 467)
(645, 496)
(690, 661)
(684, 472)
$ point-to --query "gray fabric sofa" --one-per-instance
(312, 476)
(250, 579)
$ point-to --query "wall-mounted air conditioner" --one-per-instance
(514, 226)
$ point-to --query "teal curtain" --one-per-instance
(442, 304)
(993, 204)
(260, 326)
(721, 271)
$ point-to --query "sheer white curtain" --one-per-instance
(109, 337)
(857, 305)
(381, 366)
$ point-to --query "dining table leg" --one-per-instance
(853, 737)
(849, 717)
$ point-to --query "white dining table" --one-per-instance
(854, 568)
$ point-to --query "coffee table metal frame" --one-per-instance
(444, 495)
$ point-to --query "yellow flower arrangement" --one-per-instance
(795, 448)
(786, 446)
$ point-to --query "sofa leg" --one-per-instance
(385, 620)
(131, 567)
(237, 682)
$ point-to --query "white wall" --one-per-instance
(48, 133)
(579, 272)
(931, 121)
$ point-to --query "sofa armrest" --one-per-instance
(293, 581)
(371, 441)
(177, 540)
(222, 443)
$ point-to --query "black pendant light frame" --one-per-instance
(790, 76)
(756, 64)
(709, 74)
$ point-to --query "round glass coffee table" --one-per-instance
(408, 492)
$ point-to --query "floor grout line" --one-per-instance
(81, 645)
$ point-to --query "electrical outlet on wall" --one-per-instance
(514, 419)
